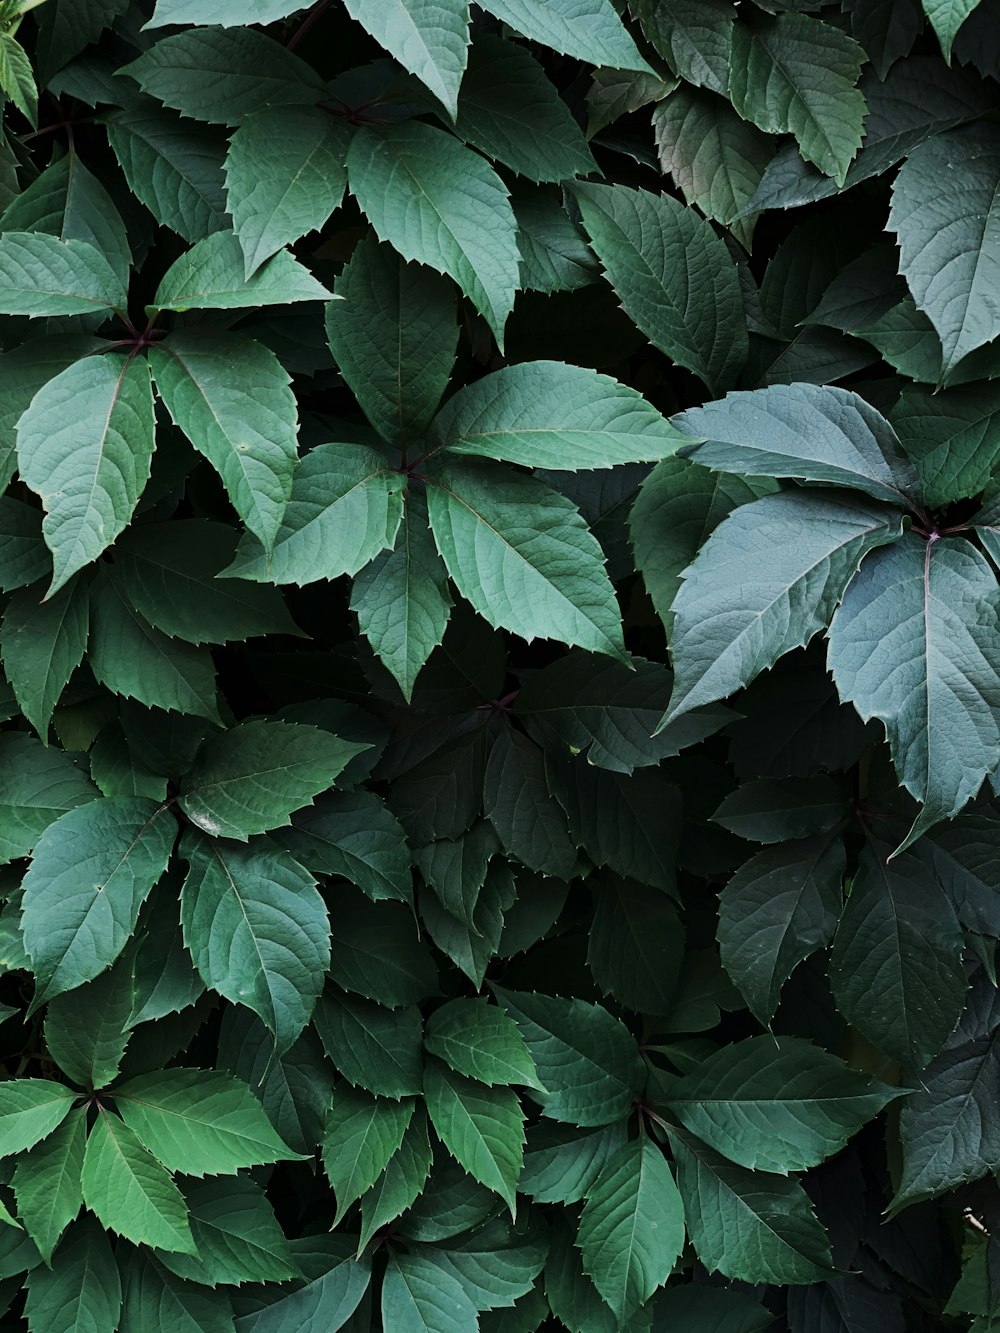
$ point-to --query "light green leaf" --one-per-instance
(378, 1049)
(522, 555)
(91, 872)
(400, 1183)
(440, 204)
(256, 927)
(199, 1121)
(226, 13)
(87, 1029)
(30, 1109)
(47, 1183)
(37, 786)
(251, 778)
(284, 177)
(497, 1264)
(82, 1292)
(85, 446)
(346, 507)
(946, 17)
(657, 255)
(951, 271)
(211, 276)
(428, 38)
(41, 275)
(798, 75)
(589, 30)
(418, 1297)
(896, 965)
(481, 1041)
(914, 645)
(237, 1236)
(24, 369)
(231, 398)
(130, 1192)
(767, 580)
(632, 1227)
(548, 414)
(393, 337)
(17, 79)
(362, 1134)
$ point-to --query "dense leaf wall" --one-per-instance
(501, 649)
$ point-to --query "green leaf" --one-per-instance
(481, 1041)
(946, 17)
(636, 944)
(154, 1297)
(130, 1192)
(547, 414)
(926, 612)
(42, 643)
(767, 580)
(510, 111)
(428, 39)
(896, 969)
(806, 431)
(798, 75)
(199, 1121)
(402, 599)
(87, 1029)
(85, 446)
(561, 1165)
(226, 13)
(37, 787)
(776, 1103)
(250, 778)
(771, 810)
(231, 398)
(530, 823)
(472, 947)
(82, 1291)
(586, 1060)
(132, 659)
(555, 257)
(256, 927)
(655, 253)
(952, 437)
(362, 1134)
(24, 557)
(498, 1264)
(440, 204)
(47, 1183)
(284, 177)
(393, 337)
(41, 275)
(456, 870)
(17, 79)
(24, 369)
(237, 1236)
(588, 30)
(352, 834)
(377, 953)
(327, 1301)
(173, 166)
(694, 37)
(378, 1049)
(30, 1109)
(418, 1297)
(499, 530)
(210, 276)
(632, 1227)
(91, 872)
(400, 1183)
(748, 1225)
(951, 271)
(223, 77)
(776, 910)
(346, 507)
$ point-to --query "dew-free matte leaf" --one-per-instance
(345, 508)
(632, 1226)
(47, 1183)
(694, 37)
(748, 1225)
(256, 927)
(238, 1238)
(374, 1048)
(673, 275)
(91, 872)
(401, 1181)
(327, 1301)
(42, 275)
(776, 1103)
(153, 1296)
(635, 947)
(87, 1029)
(482, 1127)
(224, 76)
(24, 557)
(561, 1164)
(199, 1121)
(777, 909)
(251, 778)
(586, 1060)
(548, 414)
(354, 835)
(440, 204)
(418, 1297)
(771, 810)
(285, 175)
(82, 1292)
(85, 446)
(946, 17)
(211, 276)
(37, 786)
(231, 398)
(767, 580)
(952, 270)
(481, 1041)
(914, 644)
(430, 38)
(24, 369)
(42, 643)
(377, 952)
(896, 968)
(498, 1264)
(226, 13)
(528, 820)
(456, 869)
(522, 555)
(798, 75)
(362, 1134)
(30, 1109)
(952, 437)
(589, 30)
(130, 1192)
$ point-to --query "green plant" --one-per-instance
(501, 648)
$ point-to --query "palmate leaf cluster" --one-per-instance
(500, 747)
